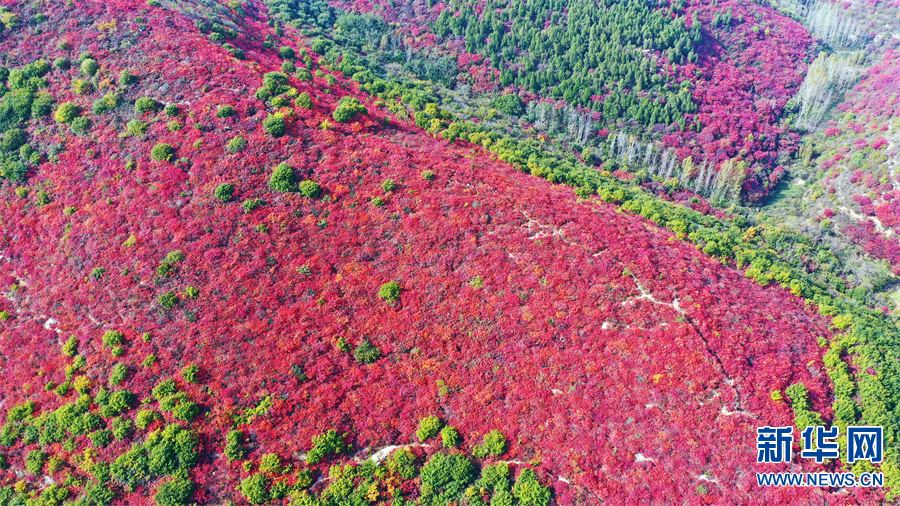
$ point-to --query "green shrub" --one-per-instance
(510, 104)
(82, 87)
(168, 300)
(42, 105)
(66, 112)
(119, 402)
(287, 53)
(449, 437)
(330, 443)
(274, 124)
(101, 438)
(303, 101)
(20, 412)
(174, 257)
(348, 108)
(445, 477)
(224, 192)
(174, 492)
(107, 103)
(279, 102)
(310, 189)
(164, 389)
(494, 444)
(283, 178)
(288, 67)
(126, 78)
(389, 291)
(89, 67)
(70, 347)
(262, 94)
(377, 201)
(62, 63)
(162, 152)
(320, 45)
(402, 462)
(118, 374)
(388, 185)
(13, 170)
(236, 145)
(304, 75)
(428, 428)
(841, 322)
(81, 124)
(189, 373)
(121, 428)
(366, 352)
(34, 462)
(528, 491)
(13, 140)
(136, 127)
(255, 489)
(495, 477)
(234, 447)
(191, 292)
(270, 463)
(503, 498)
(250, 204)
(146, 105)
(145, 417)
(173, 110)
(275, 83)
(186, 411)
(112, 338)
(42, 198)
(225, 111)
(174, 126)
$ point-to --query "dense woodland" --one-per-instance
(303, 253)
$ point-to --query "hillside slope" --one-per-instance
(618, 361)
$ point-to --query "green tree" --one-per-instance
(529, 492)
(283, 178)
(348, 108)
(428, 428)
(310, 189)
(449, 437)
(174, 492)
(445, 477)
(89, 67)
(146, 105)
(389, 291)
(256, 489)
(224, 192)
(330, 443)
(275, 125)
(225, 111)
(303, 101)
(236, 145)
(494, 444)
(162, 152)
(234, 447)
(66, 112)
(366, 352)
(510, 104)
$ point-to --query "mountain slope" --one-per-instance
(617, 360)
